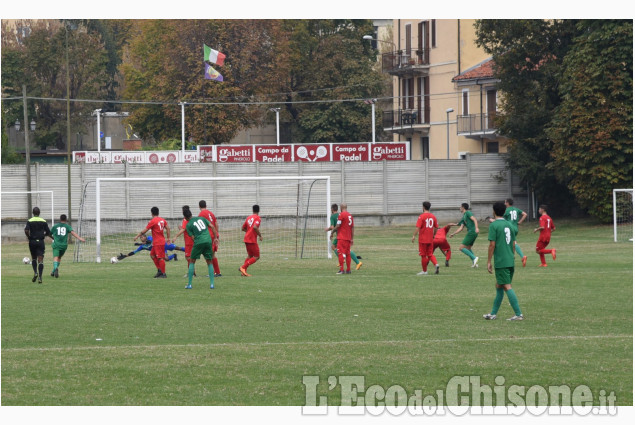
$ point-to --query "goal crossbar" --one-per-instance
(100, 180)
(29, 192)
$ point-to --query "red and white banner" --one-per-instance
(396, 151)
(312, 153)
(350, 152)
(273, 153)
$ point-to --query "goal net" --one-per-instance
(622, 215)
(294, 211)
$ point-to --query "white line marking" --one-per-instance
(265, 343)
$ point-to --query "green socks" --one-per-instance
(210, 269)
(519, 251)
(56, 264)
(190, 273)
(468, 253)
(513, 300)
(354, 258)
(500, 294)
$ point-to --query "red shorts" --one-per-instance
(426, 249)
(188, 249)
(253, 250)
(442, 245)
(541, 244)
(344, 247)
(158, 251)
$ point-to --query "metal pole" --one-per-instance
(68, 128)
(278, 126)
(182, 128)
(373, 112)
(448, 138)
(27, 152)
(98, 130)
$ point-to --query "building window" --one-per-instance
(492, 147)
(466, 102)
(433, 33)
(408, 38)
(425, 147)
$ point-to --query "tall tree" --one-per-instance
(592, 129)
(39, 62)
(528, 54)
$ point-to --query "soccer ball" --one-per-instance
(114, 260)
(26, 260)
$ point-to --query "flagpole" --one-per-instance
(182, 128)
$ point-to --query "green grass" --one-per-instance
(107, 334)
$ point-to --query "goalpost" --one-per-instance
(13, 204)
(294, 209)
(622, 215)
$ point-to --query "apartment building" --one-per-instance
(444, 90)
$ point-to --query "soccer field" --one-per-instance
(106, 334)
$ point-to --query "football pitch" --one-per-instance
(105, 334)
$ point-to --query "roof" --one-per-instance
(482, 70)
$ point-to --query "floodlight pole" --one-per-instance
(447, 112)
(182, 127)
(27, 152)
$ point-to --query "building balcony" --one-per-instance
(476, 126)
(405, 63)
(406, 121)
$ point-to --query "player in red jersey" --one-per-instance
(209, 216)
(158, 226)
(440, 241)
(546, 226)
(251, 227)
(426, 224)
(189, 241)
(345, 229)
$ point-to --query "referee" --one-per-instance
(35, 230)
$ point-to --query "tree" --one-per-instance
(592, 129)
(39, 62)
(330, 61)
(528, 54)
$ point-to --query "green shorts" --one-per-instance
(469, 239)
(58, 252)
(504, 275)
(204, 249)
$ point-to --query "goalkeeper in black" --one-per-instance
(36, 230)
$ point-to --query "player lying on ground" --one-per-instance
(146, 245)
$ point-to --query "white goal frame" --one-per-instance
(27, 192)
(615, 191)
(99, 180)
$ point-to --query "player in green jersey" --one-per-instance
(515, 216)
(59, 234)
(197, 228)
(470, 222)
(502, 239)
(334, 215)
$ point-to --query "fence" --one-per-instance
(377, 193)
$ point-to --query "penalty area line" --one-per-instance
(316, 343)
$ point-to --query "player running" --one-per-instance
(426, 224)
(157, 253)
(198, 227)
(36, 230)
(334, 215)
(440, 241)
(345, 229)
(59, 234)
(470, 222)
(546, 226)
(251, 227)
(502, 238)
(515, 216)
(215, 241)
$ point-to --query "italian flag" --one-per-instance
(213, 56)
